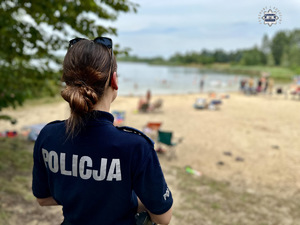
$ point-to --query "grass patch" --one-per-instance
(4, 217)
(203, 200)
(15, 156)
(15, 172)
(208, 201)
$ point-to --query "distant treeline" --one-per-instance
(282, 50)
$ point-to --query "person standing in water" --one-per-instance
(201, 83)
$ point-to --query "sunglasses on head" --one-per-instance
(107, 42)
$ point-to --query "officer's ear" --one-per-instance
(114, 81)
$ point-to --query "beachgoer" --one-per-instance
(99, 173)
(266, 84)
(250, 86)
(270, 86)
(243, 84)
(144, 103)
(201, 84)
(259, 85)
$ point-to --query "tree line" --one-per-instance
(281, 50)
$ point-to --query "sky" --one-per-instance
(163, 28)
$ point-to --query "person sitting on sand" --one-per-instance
(144, 103)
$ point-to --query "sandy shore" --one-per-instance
(252, 141)
(263, 131)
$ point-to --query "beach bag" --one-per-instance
(200, 103)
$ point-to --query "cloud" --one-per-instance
(169, 26)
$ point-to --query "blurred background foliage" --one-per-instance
(34, 32)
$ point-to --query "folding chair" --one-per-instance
(154, 125)
(165, 137)
(157, 105)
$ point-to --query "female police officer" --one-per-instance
(99, 173)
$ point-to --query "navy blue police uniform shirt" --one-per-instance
(97, 175)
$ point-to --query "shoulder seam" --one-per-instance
(135, 131)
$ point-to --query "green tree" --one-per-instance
(253, 57)
(235, 57)
(32, 32)
(278, 46)
(220, 56)
(177, 58)
(294, 49)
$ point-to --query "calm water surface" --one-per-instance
(137, 78)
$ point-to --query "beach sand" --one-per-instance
(251, 141)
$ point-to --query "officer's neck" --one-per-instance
(104, 103)
(102, 106)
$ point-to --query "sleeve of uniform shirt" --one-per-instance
(40, 187)
(150, 185)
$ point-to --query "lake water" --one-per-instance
(137, 78)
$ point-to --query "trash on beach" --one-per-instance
(227, 153)
(161, 150)
(188, 169)
(239, 159)
(275, 146)
(220, 163)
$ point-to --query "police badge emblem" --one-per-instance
(270, 16)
